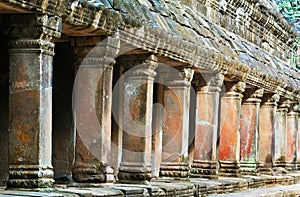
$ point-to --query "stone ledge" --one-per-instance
(264, 185)
(291, 190)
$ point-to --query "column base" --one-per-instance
(298, 166)
(249, 168)
(290, 166)
(88, 174)
(176, 170)
(134, 173)
(204, 169)
(280, 164)
(229, 169)
(265, 169)
(30, 176)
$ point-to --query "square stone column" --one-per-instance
(92, 105)
(31, 51)
(175, 139)
(207, 120)
(292, 136)
(266, 132)
(137, 126)
(280, 135)
(249, 130)
(229, 153)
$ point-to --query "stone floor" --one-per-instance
(277, 186)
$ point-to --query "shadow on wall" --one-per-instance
(63, 134)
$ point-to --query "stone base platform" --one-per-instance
(264, 185)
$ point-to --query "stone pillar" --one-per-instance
(31, 51)
(93, 100)
(176, 128)
(249, 130)
(292, 136)
(280, 136)
(137, 126)
(229, 153)
(206, 129)
(266, 132)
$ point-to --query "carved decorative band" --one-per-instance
(179, 84)
(209, 89)
(103, 61)
(26, 45)
(145, 69)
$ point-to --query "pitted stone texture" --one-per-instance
(30, 98)
(93, 103)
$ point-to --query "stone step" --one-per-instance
(277, 191)
(264, 185)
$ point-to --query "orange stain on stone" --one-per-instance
(24, 137)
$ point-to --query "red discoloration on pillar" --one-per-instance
(247, 128)
(229, 154)
(229, 129)
(292, 132)
(176, 128)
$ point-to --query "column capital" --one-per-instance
(32, 26)
(253, 95)
(211, 82)
(180, 78)
(294, 109)
(284, 105)
(97, 50)
(97, 46)
(142, 68)
(32, 31)
(235, 89)
(270, 99)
